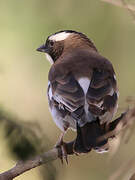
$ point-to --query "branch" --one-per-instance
(115, 127)
(132, 177)
(23, 166)
(124, 4)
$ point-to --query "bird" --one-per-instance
(82, 89)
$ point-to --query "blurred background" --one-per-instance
(24, 26)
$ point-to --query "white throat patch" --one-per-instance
(59, 37)
(49, 58)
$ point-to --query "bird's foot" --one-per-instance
(62, 151)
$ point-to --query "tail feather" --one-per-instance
(87, 138)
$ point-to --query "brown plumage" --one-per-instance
(82, 90)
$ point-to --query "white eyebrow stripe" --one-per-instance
(59, 37)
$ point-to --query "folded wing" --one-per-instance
(102, 95)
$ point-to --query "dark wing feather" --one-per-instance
(67, 91)
(102, 95)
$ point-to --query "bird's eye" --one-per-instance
(51, 43)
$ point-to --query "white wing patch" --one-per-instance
(84, 83)
(59, 37)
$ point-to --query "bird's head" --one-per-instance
(64, 41)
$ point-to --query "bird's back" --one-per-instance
(85, 80)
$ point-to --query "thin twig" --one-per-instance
(122, 169)
(132, 13)
(132, 177)
(120, 4)
(124, 4)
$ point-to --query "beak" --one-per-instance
(42, 48)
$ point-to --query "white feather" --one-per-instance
(59, 37)
(60, 99)
(49, 58)
(114, 76)
(100, 151)
(84, 83)
(50, 91)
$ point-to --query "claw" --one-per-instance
(62, 149)
(61, 158)
(64, 153)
